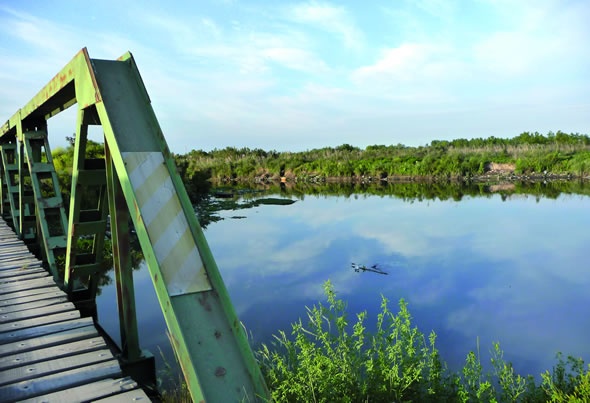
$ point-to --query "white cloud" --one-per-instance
(411, 74)
(296, 59)
(247, 51)
(512, 54)
(335, 20)
(401, 63)
(37, 32)
(443, 9)
(538, 37)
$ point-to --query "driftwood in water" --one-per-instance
(373, 269)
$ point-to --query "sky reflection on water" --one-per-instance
(512, 271)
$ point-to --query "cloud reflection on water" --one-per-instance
(511, 271)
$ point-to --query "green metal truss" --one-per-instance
(4, 203)
(88, 212)
(142, 182)
(10, 178)
(51, 215)
(26, 202)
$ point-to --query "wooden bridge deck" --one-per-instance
(48, 353)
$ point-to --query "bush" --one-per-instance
(328, 360)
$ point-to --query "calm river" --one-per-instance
(493, 263)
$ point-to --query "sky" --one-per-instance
(302, 75)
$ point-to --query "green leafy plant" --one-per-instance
(330, 359)
(568, 382)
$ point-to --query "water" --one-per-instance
(505, 267)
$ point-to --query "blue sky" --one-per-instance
(300, 75)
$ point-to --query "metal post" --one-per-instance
(2, 193)
(50, 215)
(75, 199)
(139, 364)
(122, 262)
(26, 222)
(19, 156)
(9, 163)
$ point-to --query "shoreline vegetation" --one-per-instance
(528, 156)
(333, 359)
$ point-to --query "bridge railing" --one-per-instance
(136, 179)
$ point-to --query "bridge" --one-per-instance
(51, 253)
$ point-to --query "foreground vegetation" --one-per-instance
(556, 153)
(333, 360)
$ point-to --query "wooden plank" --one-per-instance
(137, 395)
(9, 252)
(12, 244)
(15, 253)
(28, 296)
(23, 284)
(34, 304)
(20, 272)
(49, 340)
(12, 240)
(14, 249)
(45, 347)
(26, 285)
(44, 320)
(17, 257)
(60, 381)
(12, 255)
(52, 353)
(89, 392)
(24, 276)
(28, 293)
(17, 272)
(38, 369)
(16, 265)
(39, 331)
(21, 257)
(36, 312)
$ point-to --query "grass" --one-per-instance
(172, 375)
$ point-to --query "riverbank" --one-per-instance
(499, 172)
(508, 177)
(524, 157)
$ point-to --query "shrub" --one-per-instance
(332, 360)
